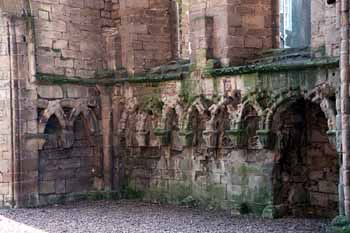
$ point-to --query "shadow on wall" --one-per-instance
(306, 172)
(66, 162)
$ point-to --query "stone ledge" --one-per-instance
(45, 78)
(328, 62)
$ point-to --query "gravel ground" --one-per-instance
(136, 217)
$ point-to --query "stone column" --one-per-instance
(107, 131)
(201, 39)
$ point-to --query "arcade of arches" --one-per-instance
(196, 102)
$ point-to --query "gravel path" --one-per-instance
(136, 217)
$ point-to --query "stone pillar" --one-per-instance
(184, 36)
(107, 131)
(201, 39)
(6, 142)
(25, 136)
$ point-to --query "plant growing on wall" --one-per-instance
(152, 104)
(188, 91)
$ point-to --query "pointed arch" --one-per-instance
(54, 108)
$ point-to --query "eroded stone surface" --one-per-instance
(240, 141)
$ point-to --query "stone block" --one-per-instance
(59, 44)
(50, 92)
(60, 186)
(5, 166)
(44, 15)
(4, 188)
(78, 185)
(64, 63)
(319, 199)
(327, 187)
(47, 187)
(77, 91)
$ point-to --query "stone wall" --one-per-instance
(182, 133)
(307, 175)
(217, 147)
(66, 171)
(325, 26)
(71, 157)
(5, 117)
(240, 28)
(69, 39)
(148, 35)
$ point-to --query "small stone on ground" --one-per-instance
(138, 217)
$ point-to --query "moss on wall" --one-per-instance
(152, 104)
(188, 91)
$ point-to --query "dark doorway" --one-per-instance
(306, 172)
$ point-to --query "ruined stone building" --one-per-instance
(230, 104)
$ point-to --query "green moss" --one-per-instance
(127, 192)
(56, 50)
(333, 229)
(104, 74)
(108, 81)
(158, 193)
(250, 81)
(216, 196)
(188, 91)
(178, 192)
(326, 62)
(246, 169)
(152, 104)
(216, 86)
(102, 195)
(340, 221)
(95, 196)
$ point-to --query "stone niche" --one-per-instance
(66, 170)
(305, 178)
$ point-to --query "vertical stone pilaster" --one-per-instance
(201, 39)
(6, 152)
(107, 130)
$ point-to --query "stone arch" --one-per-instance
(53, 131)
(168, 127)
(247, 103)
(169, 114)
(250, 121)
(198, 107)
(221, 116)
(321, 95)
(143, 128)
(228, 103)
(54, 108)
(89, 116)
(192, 124)
(305, 167)
(324, 95)
(69, 169)
(280, 100)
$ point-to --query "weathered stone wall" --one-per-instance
(69, 39)
(325, 26)
(66, 171)
(306, 178)
(240, 28)
(5, 117)
(212, 143)
(177, 135)
(70, 158)
(148, 36)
